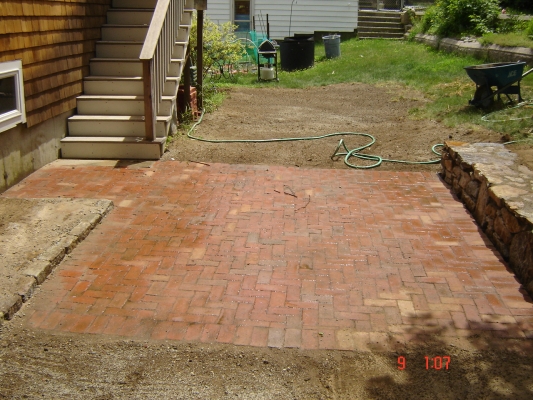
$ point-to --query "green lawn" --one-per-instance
(439, 76)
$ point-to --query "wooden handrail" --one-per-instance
(156, 55)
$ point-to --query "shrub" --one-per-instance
(529, 29)
(220, 44)
(456, 17)
(512, 23)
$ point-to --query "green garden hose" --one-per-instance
(486, 118)
(347, 155)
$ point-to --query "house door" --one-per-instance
(392, 4)
(242, 16)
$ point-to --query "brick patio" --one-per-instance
(274, 256)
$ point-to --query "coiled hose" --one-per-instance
(356, 153)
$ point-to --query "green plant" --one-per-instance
(220, 45)
(512, 23)
(512, 39)
(529, 28)
(456, 17)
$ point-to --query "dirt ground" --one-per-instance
(37, 364)
(382, 111)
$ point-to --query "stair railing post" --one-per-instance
(149, 114)
(200, 6)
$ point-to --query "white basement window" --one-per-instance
(12, 110)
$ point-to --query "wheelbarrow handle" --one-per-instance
(527, 73)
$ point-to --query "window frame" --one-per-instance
(10, 119)
(236, 22)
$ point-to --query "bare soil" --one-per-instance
(263, 113)
(38, 364)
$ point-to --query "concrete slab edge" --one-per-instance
(43, 265)
(493, 53)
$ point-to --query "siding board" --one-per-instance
(307, 15)
(55, 39)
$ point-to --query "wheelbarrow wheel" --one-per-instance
(484, 97)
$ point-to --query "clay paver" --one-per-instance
(274, 256)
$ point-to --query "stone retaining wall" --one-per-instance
(492, 53)
(499, 195)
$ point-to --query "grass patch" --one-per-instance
(514, 39)
(439, 76)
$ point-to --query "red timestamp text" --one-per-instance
(437, 362)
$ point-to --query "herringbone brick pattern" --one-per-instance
(275, 256)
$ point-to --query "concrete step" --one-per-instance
(129, 148)
(399, 31)
(381, 25)
(379, 14)
(118, 49)
(380, 35)
(135, 33)
(114, 125)
(116, 67)
(134, 3)
(119, 105)
(372, 20)
(129, 16)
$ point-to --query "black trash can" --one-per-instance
(297, 52)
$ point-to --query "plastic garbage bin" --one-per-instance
(332, 44)
(297, 52)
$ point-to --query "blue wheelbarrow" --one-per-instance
(505, 77)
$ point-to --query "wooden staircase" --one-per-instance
(110, 121)
(379, 24)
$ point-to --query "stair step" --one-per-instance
(186, 17)
(171, 86)
(118, 49)
(175, 67)
(128, 148)
(114, 125)
(372, 20)
(124, 32)
(371, 35)
(113, 85)
(110, 105)
(116, 66)
(134, 3)
(179, 50)
(119, 105)
(129, 16)
(381, 25)
(183, 33)
(381, 30)
(379, 14)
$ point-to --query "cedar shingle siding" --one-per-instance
(55, 39)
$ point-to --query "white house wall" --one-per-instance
(308, 16)
(219, 11)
